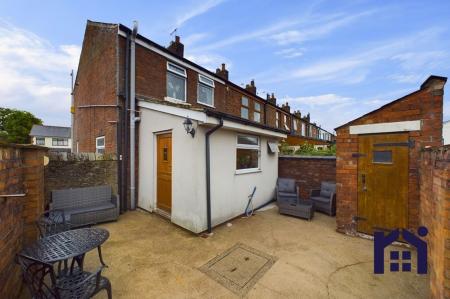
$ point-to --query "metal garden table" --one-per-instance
(66, 245)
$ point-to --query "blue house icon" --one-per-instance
(381, 241)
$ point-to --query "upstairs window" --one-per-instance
(176, 82)
(244, 107)
(100, 145)
(286, 125)
(295, 124)
(257, 112)
(60, 141)
(40, 140)
(277, 119)
(205, 91)
(247, 153)
(303, 129)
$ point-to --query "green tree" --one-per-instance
(15, 125)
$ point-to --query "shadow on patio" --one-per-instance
(149, 257)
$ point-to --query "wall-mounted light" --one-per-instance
(188, 126)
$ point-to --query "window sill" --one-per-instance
(245, 171)
(211, 106)
(176, 101)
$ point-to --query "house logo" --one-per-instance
(398, 257)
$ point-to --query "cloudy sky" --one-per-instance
(336, 61)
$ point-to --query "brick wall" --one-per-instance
(309, 172)
(435, 215)
(96, 85)
(426, 105)
(83, 170)
(21, 172)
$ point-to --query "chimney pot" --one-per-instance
(223, 72)
(176, 47)
(251, 87)
(272, 99)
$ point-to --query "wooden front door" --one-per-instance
(164, 172)
(383, 182)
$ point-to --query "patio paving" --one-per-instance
(149, 257)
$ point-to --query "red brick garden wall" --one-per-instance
(435, 215)
(426, 105)
(309, 172)
(21, 172)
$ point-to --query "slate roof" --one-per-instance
(50, 131)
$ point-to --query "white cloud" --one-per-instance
(290, 53)
(319, 100)
(204, 7)
(316, 31)
(34, 74)
(209, 61)
(192, 39)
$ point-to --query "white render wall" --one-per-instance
(446, 132)
(229, 191)
(49, 143)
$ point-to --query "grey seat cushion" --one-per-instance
(286, 185)
(97, 207)
(321, 199)
(287, 194)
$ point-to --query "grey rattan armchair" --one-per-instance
(325, 198)
(287, 191)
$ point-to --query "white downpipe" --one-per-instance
(133, 115)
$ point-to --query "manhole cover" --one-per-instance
(238, 268)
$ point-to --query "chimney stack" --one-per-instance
(272, 99)
(286, 107)
(298, 114)
(176, 47)
(223, 72)
(307, 117)
(251, 87)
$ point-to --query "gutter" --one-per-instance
(208, 173)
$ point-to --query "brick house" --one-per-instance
(377, 160)
(131, 90)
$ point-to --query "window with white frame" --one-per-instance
(244, 107)
(295, 124)
(257, 112)
(60, 141)
(205, 90)
(303, 129)
(176, 82)
(40, 140)
(286, 125)
(100, 145)
(277, 119)
(247, 153)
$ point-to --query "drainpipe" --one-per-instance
(208, 174)
(124, 139)
(133, 115)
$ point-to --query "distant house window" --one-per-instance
(303, 129)
(205, 90)
(286, 126)
(100, 145)
(277, 119)
(295, 125)
(176, 82)
(244, 107)
(257, 113)
(40, 140)
(247, 153)
(60, 141)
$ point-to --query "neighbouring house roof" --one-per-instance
(424, 85)
(50, 131)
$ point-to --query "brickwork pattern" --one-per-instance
(309, 172)
(435, 215)
(21, 172)
(424, 105)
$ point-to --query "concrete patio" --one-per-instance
(149, 257)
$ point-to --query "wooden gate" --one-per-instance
(383, 182)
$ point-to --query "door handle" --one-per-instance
(363, 180)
